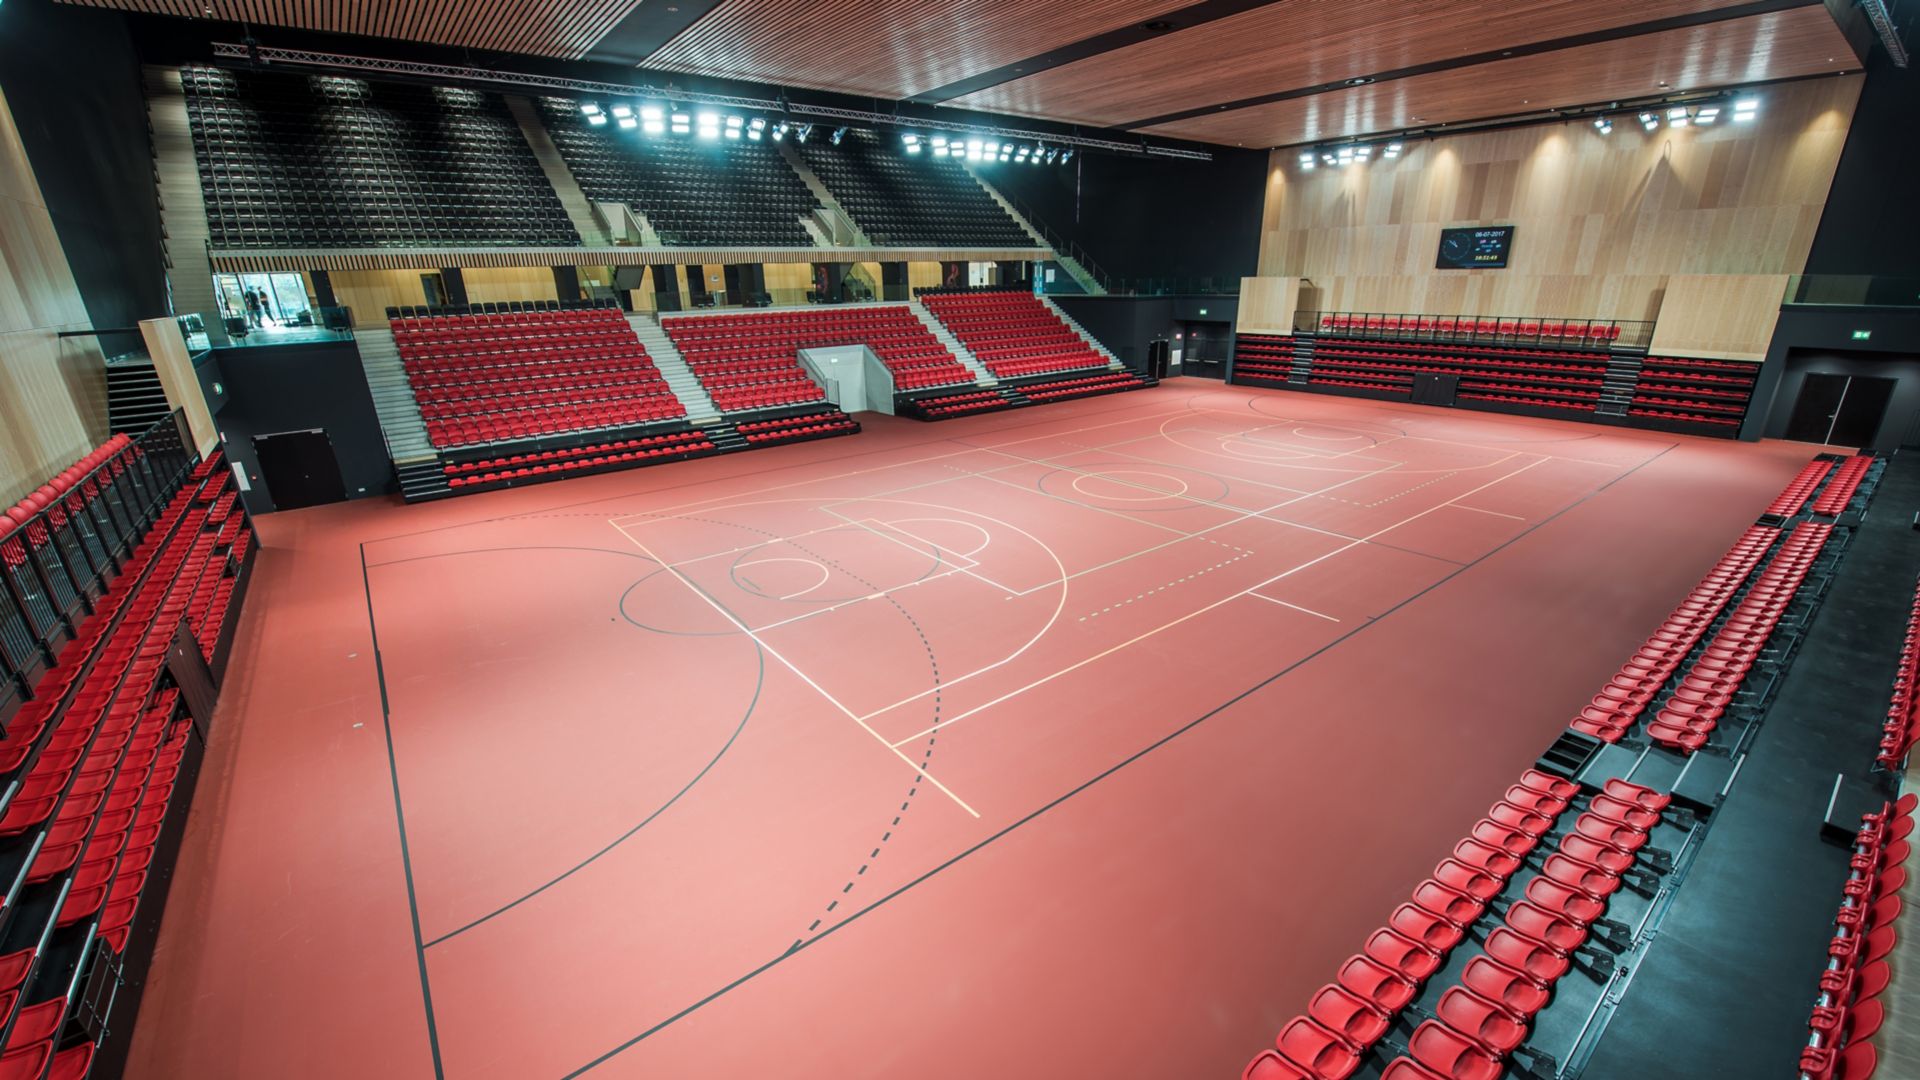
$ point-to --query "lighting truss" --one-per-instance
(586, 87)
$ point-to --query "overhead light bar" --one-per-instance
(1746, 109)
(1393, 150)
(414, 69)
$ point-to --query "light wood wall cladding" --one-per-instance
(371, 292)
(923, 275)
(1292, 46)
(560, 28)
(53, 401)
(1601, 221)
(889, 48)
(1267, 305)
(1777, 45)
(486, 285)
(173, 364)
(1719, 316)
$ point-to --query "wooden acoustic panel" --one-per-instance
(1267, 305)
(1719, 316)
(53, 404)
(1293, 46)
(888, 48)
(558, 28)
(1602, 221)
(1779, 45)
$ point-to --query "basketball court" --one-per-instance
(1024, 727)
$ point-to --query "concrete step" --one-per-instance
(981, 376)
(1112, 360)
(673, 369)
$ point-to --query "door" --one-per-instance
(299, 469)
(1840, 410)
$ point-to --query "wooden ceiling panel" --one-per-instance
(557, 28)
(1290, 46)
(886, 48)
(1786, 44)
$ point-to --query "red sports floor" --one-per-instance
(1076, 741)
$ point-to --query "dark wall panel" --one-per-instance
(1822, 339)
(1901, 424)
(1150, 217)
(72, 79)
(1128, 325)
(1872, 221)
(275, 388)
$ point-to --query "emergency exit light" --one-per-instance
(1862, 335)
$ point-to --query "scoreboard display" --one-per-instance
(1475, 249)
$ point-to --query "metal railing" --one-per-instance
(57, 561)
(1060, 244)
(1476, 329)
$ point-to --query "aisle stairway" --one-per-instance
(415, 461)
(1089, 284)
(135, 398)
(836, 214)
(960, 352)
(673, 368)
(572, 199)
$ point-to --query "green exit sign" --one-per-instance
(1203, 311)
(1862, 335)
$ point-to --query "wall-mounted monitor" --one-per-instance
(1475, 249)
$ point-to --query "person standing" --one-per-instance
(266, 308)
(253, 307)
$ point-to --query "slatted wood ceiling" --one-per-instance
(889, 48)
(558, 28)
(1801, 41)
(1295, 45)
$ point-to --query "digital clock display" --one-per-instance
(1475, 249)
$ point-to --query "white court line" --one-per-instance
(948, 723)
(1495, 513)
(964, 450)
(771, 651)
(1296, 607)
(938, 552)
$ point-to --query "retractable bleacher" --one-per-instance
(322, 161)
(1848, 1010)
(752, 361)
(135, 548)
(502, 377)
(1013, 333)
(1451, 985)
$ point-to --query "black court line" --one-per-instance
(752, 703)
(1095, 779)
(1574, 41)
(400, 818)
(1159, 26)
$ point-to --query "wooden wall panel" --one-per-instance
(1602, 221)
(494, 285)
(1267, 305)
(923, 275)
(52, 389)
(1719, 316)
(371, 292)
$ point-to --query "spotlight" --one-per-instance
(651, 112)
(939, 141)
(1649, 121)
(1677, 116)
(628, 123)
(939, 150)
(1328, 158)
(992, 148)
(1707, 114)
(973, 149)
(756, 128)
(1746, 109)
(780, 131)
(838, 134)
(653, 127)
(736, 122)
(1053, 152)
(802, 131)
(682, 123)
(1363, 153)
(1066, 157)
(1306, 158)
(1037, 158)
(597, 119)
(1393, 150)
(911, 142)
(623, 111)
(589, 108)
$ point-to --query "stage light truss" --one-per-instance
(413, 69)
